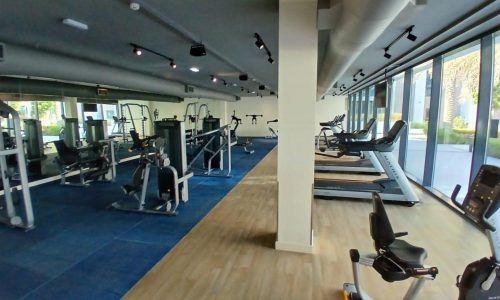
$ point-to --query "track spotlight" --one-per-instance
(242, 89)
(198, 49)
(386, 53)
(248, 91)
(173, 65)
(411, 36)
(224, 82)
(259, 44)
(213, 78)
(354, 79)
(137, 51)
(361, 73)
(270, 60)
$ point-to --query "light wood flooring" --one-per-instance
(230, 253)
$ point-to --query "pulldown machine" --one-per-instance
(395, 188)
(14, 211)
(169, 158)
(395, 259)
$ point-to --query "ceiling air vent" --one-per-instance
(188, 89)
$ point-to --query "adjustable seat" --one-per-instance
(395, 259)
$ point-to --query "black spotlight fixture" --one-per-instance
(386, 53)
(242, 89)
(224, 82)
(138, 50)
(272, 93)
(198, 49)
(354, 79)
(259, 42)
(213, 78)
(361, 73)
(243, 77)
(410, 36)
(262, 87)
(261, 45)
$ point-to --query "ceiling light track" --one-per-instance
(138, 50)
(409, 36)
(261, 45)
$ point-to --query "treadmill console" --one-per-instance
(483, 198)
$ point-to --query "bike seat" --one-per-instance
(407, 254)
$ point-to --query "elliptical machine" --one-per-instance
(481, 279)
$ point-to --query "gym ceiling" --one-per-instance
(225, 27)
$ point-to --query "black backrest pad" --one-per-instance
(66, 154)
(369, 125)
(396, 131)
(380, 226)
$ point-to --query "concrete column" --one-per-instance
(70, 107)
(298, 48)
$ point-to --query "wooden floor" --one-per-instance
(230, 253)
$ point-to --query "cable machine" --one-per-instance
(10, 147)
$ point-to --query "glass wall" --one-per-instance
(396, 108)
(356, 111)
(418, 119)
(493, 147)
(371, 102)
(362, 112)
(457, 119)
(104, 112)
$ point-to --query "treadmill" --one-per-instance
(368, 164)
(395, 188)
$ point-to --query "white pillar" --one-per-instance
(70, 107)
(298, 51)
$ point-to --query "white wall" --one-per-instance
(266, 106)
(328, 108)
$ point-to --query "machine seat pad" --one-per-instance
(325, 124)
(130, 189)
(408, 254)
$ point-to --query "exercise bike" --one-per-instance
(395, 259)
(481, 278)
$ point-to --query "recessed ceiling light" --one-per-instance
(194, 69)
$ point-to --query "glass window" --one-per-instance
(457, 119)
(418, 119)
(396, 108)
(50, 116)
(493, 152)
(371, 99)
(362, 112)
(355, 111)
(109, 111)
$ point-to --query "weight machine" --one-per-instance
(234, 136)
(145, 116)
(273, 134)
(22, 215)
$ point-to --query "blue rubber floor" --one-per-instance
(81, 249)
